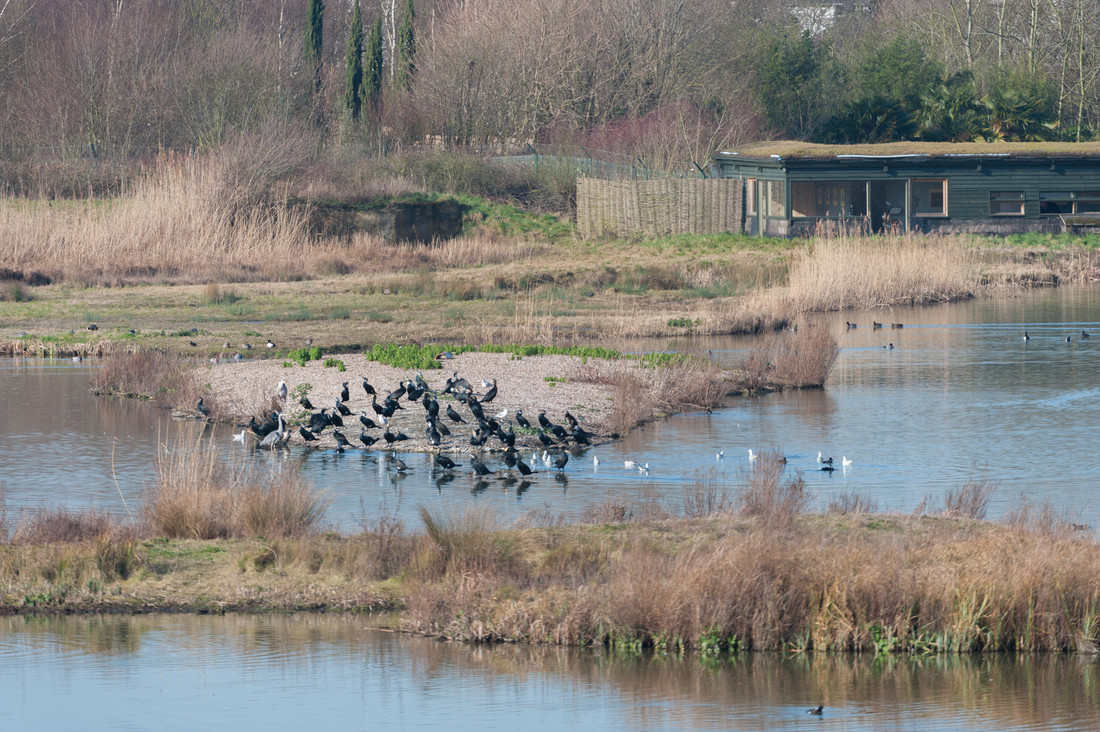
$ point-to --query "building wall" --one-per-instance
(658, 207)
(971, 179)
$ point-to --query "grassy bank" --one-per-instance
(199, 252)
(744, 567)
(509, 292)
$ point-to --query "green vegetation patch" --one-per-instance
(412, 357)
(302, 356)
(512, 221)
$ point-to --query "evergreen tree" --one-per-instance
(315, 23)
(372, 79)
(353, 73)
(796, 82)
(406, 47)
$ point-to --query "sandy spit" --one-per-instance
(530, 384)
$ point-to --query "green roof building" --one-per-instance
(792, 188)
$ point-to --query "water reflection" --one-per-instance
(181, 672)
(961, 395)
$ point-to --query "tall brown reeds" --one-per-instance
(199, 495)
(848, 271)
(768, 492)
(884, 584)
(192, 218)
(165, 378)
(642, 391)
(466, 542)
(799, 359)
(707, 495)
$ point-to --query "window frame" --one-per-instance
(1058, 197)
(1003, 199)
(913, 208)
(849, 197)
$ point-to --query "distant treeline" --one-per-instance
(658, 80)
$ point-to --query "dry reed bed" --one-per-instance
(778, 579)
(201, 219)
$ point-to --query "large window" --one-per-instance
(1006, 203)
(832, 199)
(1068, 203)
(775, 199)
(929, 197)
(1088, 202)
(1055, 202)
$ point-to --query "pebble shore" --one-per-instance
(530, 384)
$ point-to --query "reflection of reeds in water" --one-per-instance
(1015, 692)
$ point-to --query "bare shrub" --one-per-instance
(708, 494)
(392, 548)
(641, 391)
(464, 542)
(766, 492)
(970, 500)
(198, 495)
(631, 401)
(608, 511)
(543, 517)
(691, 384)
(802, 358)
(652, 509)
(848, 502)
(165, 378)
(61, 526)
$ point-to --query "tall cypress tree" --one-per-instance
(353, 58)
(372, 79)
(315, 24)
(406, 47)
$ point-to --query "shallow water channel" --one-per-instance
(176, 672)
(960, 396)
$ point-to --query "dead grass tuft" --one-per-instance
(970, 500)
(799, 359)
(199, 496)
(709, 494)
(464, 543)
(60, 526)
(771, 495)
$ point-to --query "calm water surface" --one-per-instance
(308, 672)
(960, 396)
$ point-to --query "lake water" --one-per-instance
(175, 672)
(961, 396)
